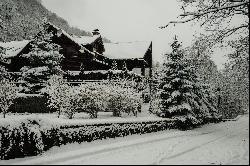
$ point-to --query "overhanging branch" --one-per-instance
(196, 15)
(214, 10)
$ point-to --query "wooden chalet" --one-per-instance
(87, 53)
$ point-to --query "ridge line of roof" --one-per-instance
(129, 42)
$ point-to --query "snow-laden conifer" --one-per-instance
(182, 96)
(43, 60)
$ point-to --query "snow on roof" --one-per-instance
(13, 48)
(86, 39)
(76, 41)
(126, 50)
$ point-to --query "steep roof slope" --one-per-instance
(86, 39)
(13, 48)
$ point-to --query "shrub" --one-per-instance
(116, 96)
(30, 103)
(122, 98)
(91, 98)
(31, 135)
(107, 96)
(20, 138)
(61, 96)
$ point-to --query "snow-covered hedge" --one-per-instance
(30, 103)
(33, 135)
(20, 137)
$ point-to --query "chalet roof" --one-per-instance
(72, 38)
(84, 40)
(126, 50)
(13, 48)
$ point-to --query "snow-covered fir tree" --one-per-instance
(43, 59)
(181, 93)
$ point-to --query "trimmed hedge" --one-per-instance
(32, 136)
(30, 104)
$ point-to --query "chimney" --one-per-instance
(96, 32)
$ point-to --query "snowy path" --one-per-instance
(223, 143)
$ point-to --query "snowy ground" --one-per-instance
(84, 116)
(223, 143)
(81, 118)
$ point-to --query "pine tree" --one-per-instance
(181, 94)
(43, 59)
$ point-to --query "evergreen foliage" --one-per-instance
(43, 61)
(181, 94)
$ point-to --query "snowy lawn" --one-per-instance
(222, 143)
(83, 118)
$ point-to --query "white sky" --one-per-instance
(129, 20)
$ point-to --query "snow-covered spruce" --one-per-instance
(43, 60)
(181, 95)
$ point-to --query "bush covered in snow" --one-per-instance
(123, 98)
(116, 96)
(91, 98)
(20, 137)
(31, 135)
(61, 96)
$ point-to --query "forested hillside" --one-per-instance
(21, 19)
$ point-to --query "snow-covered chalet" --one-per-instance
(88, 51)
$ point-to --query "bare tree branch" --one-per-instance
(175, 22)
(215, 10)
(211, 10)
(230, 32)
